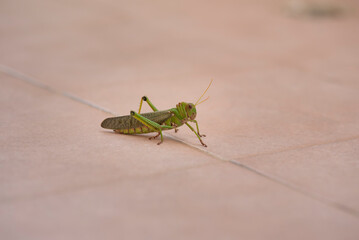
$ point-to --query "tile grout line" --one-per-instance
(300, 147)
(319, 197)
(313, 195)
(30, 80)
(18, 75)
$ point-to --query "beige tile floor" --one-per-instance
(282, 122)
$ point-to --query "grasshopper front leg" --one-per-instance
(151, 124)
(198, 128)
(196, 134)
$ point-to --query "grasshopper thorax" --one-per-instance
(187, 110)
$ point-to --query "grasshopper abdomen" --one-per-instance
(129, 125)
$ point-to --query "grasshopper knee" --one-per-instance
(144, 98)
(132, 113)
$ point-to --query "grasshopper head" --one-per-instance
(187, 110)
(191, 110)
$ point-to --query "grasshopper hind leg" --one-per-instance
(158, 134)
(145, 98)
(151, 124)
(161, 138)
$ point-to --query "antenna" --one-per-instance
(202, 101)
(203, 94)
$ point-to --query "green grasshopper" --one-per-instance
(156, 121)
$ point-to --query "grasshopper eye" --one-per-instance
(189, 106)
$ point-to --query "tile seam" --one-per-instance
(313, 195)
(299, 147)
(32, 81)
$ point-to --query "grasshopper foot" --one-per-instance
(159, 142)
(204, 145)
(201, 135)
(150, 138)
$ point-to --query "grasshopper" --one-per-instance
(157, 121)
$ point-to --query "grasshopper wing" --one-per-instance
(126, 122)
